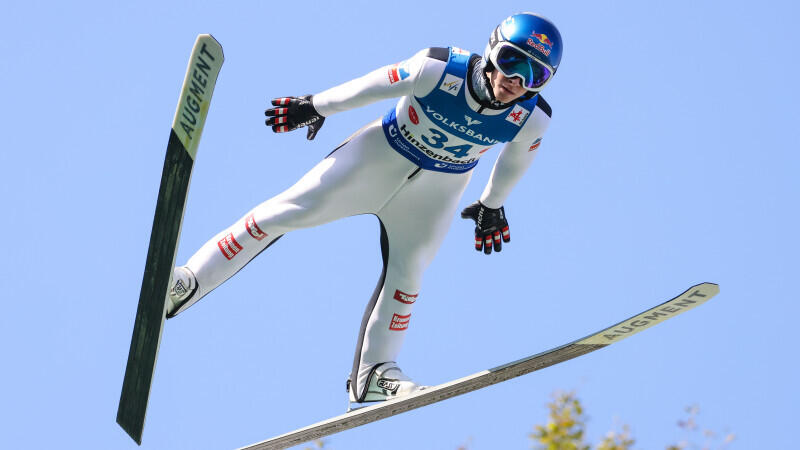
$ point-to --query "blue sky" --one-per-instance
(672, 159)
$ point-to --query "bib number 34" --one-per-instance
(438, 140)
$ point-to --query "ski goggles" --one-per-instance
(511, 61)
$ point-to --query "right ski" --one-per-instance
(695, 296)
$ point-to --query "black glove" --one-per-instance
(292, 113)
(490, 225)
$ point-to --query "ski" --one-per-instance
(694, 296)
(187, 126)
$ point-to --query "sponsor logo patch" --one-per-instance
(518, 115)
(229, 247)
(397, 72)
(460, 51)
(252, 228)
(412, 114)
(402, 297)
(535, 144)
(451, 84)
(399, 323)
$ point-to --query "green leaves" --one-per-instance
(566, 426)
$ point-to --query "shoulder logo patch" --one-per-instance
(451, 84)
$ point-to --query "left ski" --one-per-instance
(205, 63)
(694, 296)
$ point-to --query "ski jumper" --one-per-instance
(409, 168)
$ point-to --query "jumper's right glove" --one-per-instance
(490, 225)
(291, 113)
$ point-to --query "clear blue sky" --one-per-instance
(672, 159)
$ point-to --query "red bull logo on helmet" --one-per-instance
(543, 39)
(540, 42)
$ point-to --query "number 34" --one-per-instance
(438, 140)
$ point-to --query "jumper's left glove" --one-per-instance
(291, 113)
(490, 226)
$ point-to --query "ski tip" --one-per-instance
(209, 38)
(708, 288)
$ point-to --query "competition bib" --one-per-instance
(441, 132)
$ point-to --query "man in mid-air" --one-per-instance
(410, 169)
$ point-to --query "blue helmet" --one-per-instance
(526, 45)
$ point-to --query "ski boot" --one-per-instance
(184, 286)
(385, 382)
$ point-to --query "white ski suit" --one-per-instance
(409, 168)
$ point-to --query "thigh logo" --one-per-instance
(229, 247)
(399, 323)
(252, 228)
(402, 297)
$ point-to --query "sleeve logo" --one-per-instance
(252, 228)
(398, 72)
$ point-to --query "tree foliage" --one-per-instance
(566, 430)
(566, 425)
